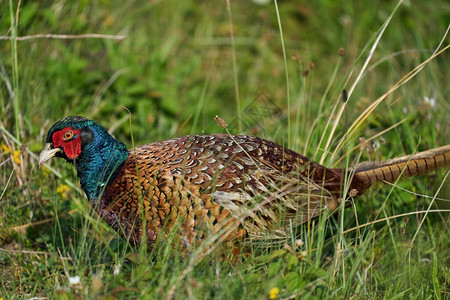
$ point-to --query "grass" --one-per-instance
(182, 63)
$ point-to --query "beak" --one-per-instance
(47, 154)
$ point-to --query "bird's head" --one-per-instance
(67, 137)
(94, 152)
(77, 137)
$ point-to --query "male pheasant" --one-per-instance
(232, 185)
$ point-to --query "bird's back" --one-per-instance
(215, 183)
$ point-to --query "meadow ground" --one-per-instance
(275, 70)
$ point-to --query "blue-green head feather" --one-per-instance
(95, 154)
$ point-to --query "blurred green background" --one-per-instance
(174, 72)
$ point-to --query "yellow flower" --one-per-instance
(63, 189)
(45, 171)
(273, 292)
(16, 157)
(6, 150)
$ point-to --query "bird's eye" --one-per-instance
(68, 135)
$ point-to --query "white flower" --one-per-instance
(261, 2)
(430, 101)
(117, 269)
(74, 280)
(299, 243)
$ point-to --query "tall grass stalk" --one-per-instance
(235, 68)
(288, 97)
(201, 102)
(321, 106)
(350, 92)
(363, 116)
(15, 65)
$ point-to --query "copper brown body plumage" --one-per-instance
(231, 186)
(213, 182)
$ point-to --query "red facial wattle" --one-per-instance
(72, 145)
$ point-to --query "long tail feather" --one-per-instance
(368, 173)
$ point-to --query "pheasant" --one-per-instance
(235, 186)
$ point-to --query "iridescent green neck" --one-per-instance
(99, 160)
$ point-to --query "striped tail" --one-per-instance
(368, 173)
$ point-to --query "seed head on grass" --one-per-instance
(222, 123)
